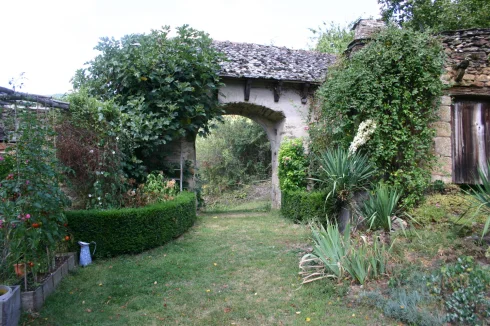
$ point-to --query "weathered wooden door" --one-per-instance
(470, 139)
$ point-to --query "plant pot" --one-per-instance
(34, 300)
(10, 307)
(20, 269)
(4, 291)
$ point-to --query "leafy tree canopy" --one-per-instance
(437, 15)
(331, 38)
(165, 87)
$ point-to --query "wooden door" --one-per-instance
(470, 139)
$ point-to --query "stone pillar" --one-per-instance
(442, 143)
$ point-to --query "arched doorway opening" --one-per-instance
(235, 165)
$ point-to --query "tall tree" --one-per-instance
(165, 87)
(331, 38)
(437, 15)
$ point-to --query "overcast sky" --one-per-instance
(50, 39)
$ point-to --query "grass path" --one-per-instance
(227, 270)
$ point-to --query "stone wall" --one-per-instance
(466, 73)
(472, 47)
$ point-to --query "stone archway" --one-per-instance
(269, 85)
(270, 121)
(280, 116)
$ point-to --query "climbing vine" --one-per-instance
(393, 81)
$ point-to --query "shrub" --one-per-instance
(293, 165)
(133, 230)
(301, 205)
(464, 288)
(395, 81)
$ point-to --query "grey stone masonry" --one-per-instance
(365, 28)
(472, 45)
(248, 60)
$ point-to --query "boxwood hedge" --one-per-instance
(133, 230)
(301, 205)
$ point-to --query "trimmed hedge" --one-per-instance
(301, 205)
(133, 230)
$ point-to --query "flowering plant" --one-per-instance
(364, 132)
(31, 200)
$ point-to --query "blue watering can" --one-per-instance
(85, 258)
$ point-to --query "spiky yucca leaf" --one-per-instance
(381, 206)
(481, 193)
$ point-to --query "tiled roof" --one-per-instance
(248, 60)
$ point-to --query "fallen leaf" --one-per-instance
(88, 310)
(227, 310)
(307, 319)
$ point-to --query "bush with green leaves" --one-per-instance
(464, 289)
(336, 255)
(395, 82)
(293, 165)
(407, 299)
(305, 206)
(91, 144)
(157, 188)
(165, 87)
(133, 230)
(237, 152)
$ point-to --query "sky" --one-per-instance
(49, 40)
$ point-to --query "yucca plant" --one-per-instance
(346, 172)
(481, 193)
(380, 207)
(336, 255)
(343, 174)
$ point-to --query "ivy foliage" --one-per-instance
(437, 15)
(393, 80)
(166, 87)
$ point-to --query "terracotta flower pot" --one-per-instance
(20, 269)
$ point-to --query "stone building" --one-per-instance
(462, 142)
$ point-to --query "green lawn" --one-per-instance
(228, 269)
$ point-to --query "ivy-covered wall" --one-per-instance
(471, 47)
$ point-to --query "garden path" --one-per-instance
(227, 270)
